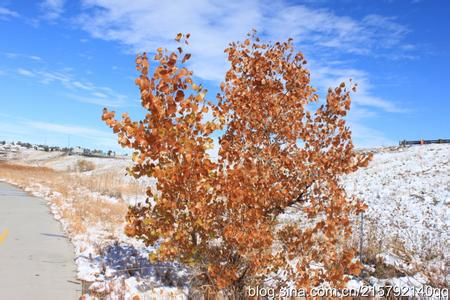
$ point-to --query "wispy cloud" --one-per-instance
(35, 57)
(14, 55)
(146, 25)
(332, 76)
(7, 128)
(6, 13)
(14, 128)
(25, 72)
(321, 33)
(365, 103)
(97, 137)
(94, 98)
(52, 9)
(378, 26)
(365, 137)
(69, 129)
(82, 91)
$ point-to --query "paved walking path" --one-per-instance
(36, 259)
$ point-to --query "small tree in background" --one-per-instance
(229, 219)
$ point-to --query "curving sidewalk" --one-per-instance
(36, 259)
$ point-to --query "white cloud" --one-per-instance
(332, 76)
(379, 25)
(69, 129)
(14, 55)
(365, 104)
(48, 77)
(146, 25)
(34, 131)
(6, 13)
(99, 95)
(83, 86)
(52, 9)
(25, 72)
(11, 55)
(34, 57)
(213, 152)
(96, 137)
(7, 128)
(365, 137)
(82, 91)
(95, 98)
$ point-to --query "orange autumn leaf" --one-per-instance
(186, 57)
(178, 37)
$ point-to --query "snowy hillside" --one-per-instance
(408, 194)
(406, 227)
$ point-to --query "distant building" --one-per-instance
(77, 150)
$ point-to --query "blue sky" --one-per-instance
(61, 62)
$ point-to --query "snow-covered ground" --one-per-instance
(61, 161)
(406, 227)
(407, 222)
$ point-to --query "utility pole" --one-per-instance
(361, 238)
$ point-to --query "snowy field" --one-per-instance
(407, 223)
(405, 240)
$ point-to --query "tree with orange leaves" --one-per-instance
(271, 206)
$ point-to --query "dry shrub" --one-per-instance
(84, 165)
(421, 255)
